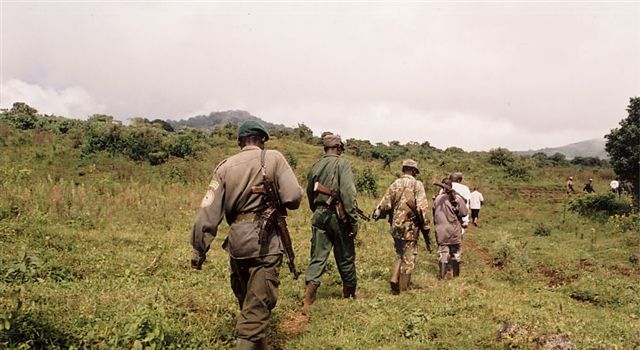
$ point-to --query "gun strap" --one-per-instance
(262, 161)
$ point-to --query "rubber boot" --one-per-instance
(443, 270)
(395, 277)
(309, 297)
(348, 291)
(455, 266)
(405, 281)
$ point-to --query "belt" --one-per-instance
(247, 216)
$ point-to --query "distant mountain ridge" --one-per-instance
(220, 119)
(588, 148)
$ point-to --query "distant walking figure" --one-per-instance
(475, 203)
(615, 186)
(588, 187)
(570, 189)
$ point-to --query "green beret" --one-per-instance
(252, 127)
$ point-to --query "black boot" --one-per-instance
(443, 270)
(395, 288)
(348, 291)
(455, 266)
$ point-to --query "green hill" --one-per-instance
(220, 119)
(588, 148)
(94, 249)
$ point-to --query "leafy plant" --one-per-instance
(366, 182)
(599, 206)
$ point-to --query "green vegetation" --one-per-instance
(94, 248)
(623, 144)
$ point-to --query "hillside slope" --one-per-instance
(588, 148)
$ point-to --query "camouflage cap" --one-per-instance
(331, 140)
(252, 127)
(411, 163)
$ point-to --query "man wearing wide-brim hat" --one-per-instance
(405, 203)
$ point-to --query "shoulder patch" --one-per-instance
(214, 184)
(208, 198)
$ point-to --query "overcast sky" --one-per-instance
(521, 75)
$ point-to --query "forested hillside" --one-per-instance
(95, 218)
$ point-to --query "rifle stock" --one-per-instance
(334, 198)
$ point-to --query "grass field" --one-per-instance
(94, 253)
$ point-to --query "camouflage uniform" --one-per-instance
(404, 228)
(255, 268)
(335, 172)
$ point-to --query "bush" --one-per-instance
(501, 157)
(291, 159)
(625, 223)
(366, 182)
(542, 230)
(517, 171)
(599, 206)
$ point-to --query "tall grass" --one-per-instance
(94, 254)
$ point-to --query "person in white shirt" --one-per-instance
(615, 184)
(475, 203)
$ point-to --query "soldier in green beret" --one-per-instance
(255, 267)
(328, 232)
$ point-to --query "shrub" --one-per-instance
(542, 230)
(517, 171)
(599, 206)
(291, 159)
(625, 223)
(366, 182)
(500, 157)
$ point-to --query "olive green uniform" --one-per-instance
(254, 268)
(327, 233)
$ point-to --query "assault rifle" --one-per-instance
(274, 216)
(451, 193)
(336, 200)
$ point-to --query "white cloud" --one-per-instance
(71, 102)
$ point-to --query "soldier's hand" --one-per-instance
(376, 214)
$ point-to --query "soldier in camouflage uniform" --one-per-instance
(449, 209)
(404, 200)
(328, 232)
(255, 268)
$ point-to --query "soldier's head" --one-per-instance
(332, 144)
(456, 177)
(252, 132)
(410, 167)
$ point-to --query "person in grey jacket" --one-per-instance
(449, 209)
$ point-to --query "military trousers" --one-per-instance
(327, 234)
(446, 252)
(406, 253)
(255, 284)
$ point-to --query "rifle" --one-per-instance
(274, 216)
(419, 220)
(450, 192)
(335, 199)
